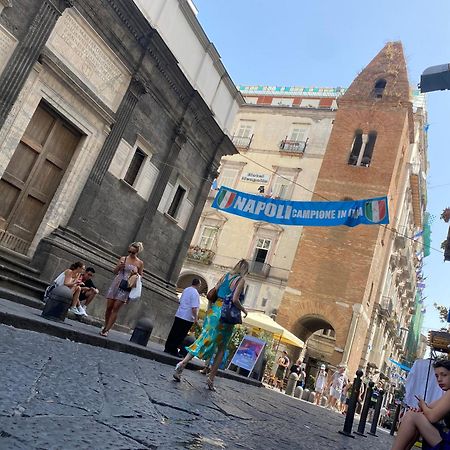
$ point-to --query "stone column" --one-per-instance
(27, 52)
(129, 101)
(357, 309)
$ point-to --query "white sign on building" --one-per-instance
(252, 177)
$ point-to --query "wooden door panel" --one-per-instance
(9, 195)
(22, 162)
(46, 184)
(34, 174)
(28, 217)
(40, 126)
(60, 145)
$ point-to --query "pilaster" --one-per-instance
(135, 91)
(27, 52)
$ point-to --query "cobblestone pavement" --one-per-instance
(57, 394)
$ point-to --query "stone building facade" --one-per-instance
(339, 275)
(107, 136)
(281, 135)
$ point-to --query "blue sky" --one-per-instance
(326, 43)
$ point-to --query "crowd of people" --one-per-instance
(429, 420)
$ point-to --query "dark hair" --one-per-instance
(445, 363)
(195, 282)
(90, 269)
(76, 265)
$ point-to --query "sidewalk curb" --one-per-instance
(60, 330)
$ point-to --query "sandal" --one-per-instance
(210, 384)
(103, 332)
(205, 371)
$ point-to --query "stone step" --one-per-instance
(23, 275)
(16, 260)
(17, 297)
(22, 288)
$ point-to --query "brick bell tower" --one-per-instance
(337, 272)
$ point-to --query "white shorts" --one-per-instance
(335, 393)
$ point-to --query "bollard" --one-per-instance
(58, 304)
(312, 397)
(305, 394)
(376, 414)
(395, 420)
(298, 392)
(365, 410)
(350, 416)
(324, 401)
(142, 331)
(292, 382)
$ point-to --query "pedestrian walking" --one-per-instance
(283, 364)
(215, 333)
(336, 385)
(126, 270)
(431, 421)
(185, 317)
(321, 382)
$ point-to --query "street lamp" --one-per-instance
(435, 78)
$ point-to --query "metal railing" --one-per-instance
(242, 142)
(292, 146)
(259, 268)
(200, 255)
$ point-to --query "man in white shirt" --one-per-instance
(185, 317)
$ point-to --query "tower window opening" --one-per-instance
(362, 149)
(378, 89)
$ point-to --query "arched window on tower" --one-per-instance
(368, 150)
(356, 149)
(378, 89)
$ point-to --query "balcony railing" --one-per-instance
(200, 255)
(293, 146)
(259, 268)
(242, 142)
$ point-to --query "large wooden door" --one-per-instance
(33, 175)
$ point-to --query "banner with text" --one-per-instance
(372, 211)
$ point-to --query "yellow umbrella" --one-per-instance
(289, 338)
(258, 319)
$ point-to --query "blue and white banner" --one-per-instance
(372, 211)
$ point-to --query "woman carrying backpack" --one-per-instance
(215, 333)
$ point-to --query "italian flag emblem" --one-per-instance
(375, 210)
(225, 199)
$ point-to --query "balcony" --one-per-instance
(259, 268)
(290, 146)
(242, 141)
(200, 255)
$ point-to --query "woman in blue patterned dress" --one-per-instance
(215, 335)
(116, 297)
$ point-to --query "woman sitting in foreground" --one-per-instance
(431, 421)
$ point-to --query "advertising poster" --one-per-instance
(248, 352)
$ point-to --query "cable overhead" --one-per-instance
(392, 230)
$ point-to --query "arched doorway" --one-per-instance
(185, 280)
(319, 336)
